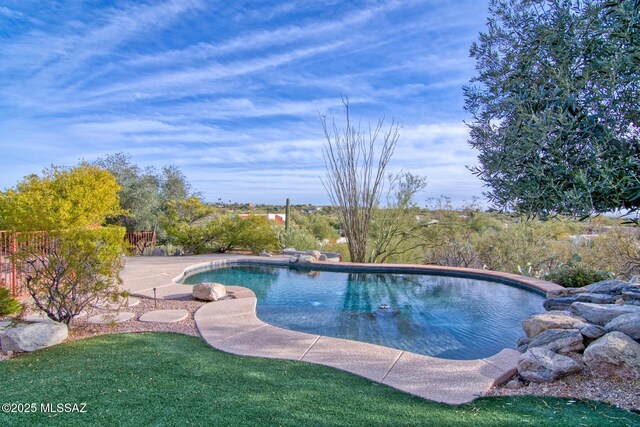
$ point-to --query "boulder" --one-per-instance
(558, 340)
(208, 291)
(557, 293)
(628, 324)
(601, 314)
(322, 257)
(33, 336)
(592, 331)
(541, 322)
(315, 254)
(158, 252)
(523, 344)
(613, 287)
(596, 298)
(631, 293)
(306, 259)
(289, 251)
(560, 303)
(543, 365)
(265, 254)
(614, 354)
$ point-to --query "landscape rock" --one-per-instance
(631, 293)
(558, 340)
(315, 254)
(208, 291)
(265, 254)
(322, 257)
(541, 322)
(614, 354)
(557, 293)
(289, 251)
(613, 287)
(601, 314)
(543, 365)
(33, 336)
(592, 331)
(306, 259)
(596, 298)
(560, 303)
(158, 252)
(628, 324)
(523, 344)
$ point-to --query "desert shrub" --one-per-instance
(340, 248)
(186, 223)
(576, 276)
(298, 239)
(617, 250)
(543, 245)
(8, 304)
(77, 269)
(253, 233)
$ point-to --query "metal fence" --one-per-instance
(12, 270)
(140, 242)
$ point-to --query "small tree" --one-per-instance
(252, 233)
(8, 304)
(61, 198)
(77, 269)
(395, 229)
(355, 175)
(186, 223)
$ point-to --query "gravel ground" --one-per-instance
(621, 392)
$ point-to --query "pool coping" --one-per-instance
(231, 325)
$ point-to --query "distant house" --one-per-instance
(278, 218)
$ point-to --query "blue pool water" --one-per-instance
(440, 316)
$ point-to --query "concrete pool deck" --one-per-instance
(231, 325)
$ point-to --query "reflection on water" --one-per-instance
(439, 316)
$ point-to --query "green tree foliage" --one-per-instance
(397, 232)
(298, 238)
(186, 223)
(8, 304)
(61, 198)
(144, 193)
(555, 109)
(79, 268)
(253, 233)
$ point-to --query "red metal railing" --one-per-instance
(12, 270)
(139, 241)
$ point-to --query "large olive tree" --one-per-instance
(556, 118)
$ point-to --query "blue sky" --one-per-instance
(231, 92)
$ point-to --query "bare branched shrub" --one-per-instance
(355, 175)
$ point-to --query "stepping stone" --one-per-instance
(105, 319)
(164, 316)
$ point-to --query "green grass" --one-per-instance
(175, 380)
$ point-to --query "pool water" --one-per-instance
(440, 316)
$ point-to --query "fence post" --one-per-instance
(14, 270)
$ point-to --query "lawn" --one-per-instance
(170, 379)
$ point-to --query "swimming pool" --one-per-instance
(440, 316)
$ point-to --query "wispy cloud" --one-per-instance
(232, 92)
